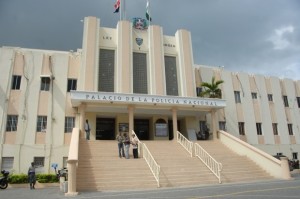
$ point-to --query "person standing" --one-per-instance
(87, 129)
(120, 140)
(127, 145)
(134, 142)
(31, 176)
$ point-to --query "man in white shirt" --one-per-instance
(87, 129)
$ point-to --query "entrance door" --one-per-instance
(105, 128)
(141, 129)
(171, 135)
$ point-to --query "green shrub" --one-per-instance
(18, 179)
(41, 178)
(46, 178)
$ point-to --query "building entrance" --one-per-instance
(105, 128)
(141, 128)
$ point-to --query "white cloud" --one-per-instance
(279, 37)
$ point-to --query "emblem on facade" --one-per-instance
(139, 41)
(139, 23)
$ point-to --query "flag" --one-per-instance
(117, 6)
(147, 12)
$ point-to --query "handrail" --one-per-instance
(145, 153)
(154, 167)
(188, 145)
(209, 161)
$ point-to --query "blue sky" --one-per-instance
(253, 36)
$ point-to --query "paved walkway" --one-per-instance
(275, 189)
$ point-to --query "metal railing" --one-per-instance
(154, 167)
(188, 145)
(209, 161)
(145, 153)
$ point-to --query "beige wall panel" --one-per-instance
(43, 103)
(10, 138)
(288, 115)
(170, 45)
(14, 101)
(272, 112)
(74, 65)
(268, 85)
(46, 65)
(257, 113)
(40, 138)
(156, 62)
(108, 38)
(252, 83)
(239, 112)
(292, 139)
(243, 137)
(19, 64)
(277, 139)
(124, 58)
(67, 138)
(69, 110)
(235, 82)
(261, 139)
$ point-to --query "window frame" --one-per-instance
(241, 126)
(16, 82)
(254, 95)
(275, 128)
(41, 124)
(11, 123)
(290, 129)
(69, 128)
(45, 83)
(285, 101)
(270, 97)
(72, 84)
(237, 97)
(259, 128)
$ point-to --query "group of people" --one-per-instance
(125, 142)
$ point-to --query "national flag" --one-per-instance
(117, 6)
(147, 12)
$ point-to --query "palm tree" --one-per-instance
(212, 89)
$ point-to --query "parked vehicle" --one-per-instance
(4, 179)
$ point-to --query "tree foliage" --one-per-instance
(212, 89)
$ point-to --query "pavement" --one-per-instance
(275, 189)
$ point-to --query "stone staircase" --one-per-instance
(236, 168)
(177, 168)
(100, 168)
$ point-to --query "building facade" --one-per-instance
(126, 79)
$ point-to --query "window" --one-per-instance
(106, 70)
(295, 156)
(140, 84)
(45, 83)
(16, 82)
(275, 128)
(69, 124)
(241, 128)
(237, 97)
(41, 124)
(72, 84)
(270, 97)
(222, 126)
(254, 95)
(298, 101)
(258, 129)
(285, 101)
(171, 76)
(12, 123)
(198, 91)
(290, 128)
(7, 163)
(39, 162)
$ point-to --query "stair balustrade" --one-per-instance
(208, 160)
(187, 145)
(154, 167)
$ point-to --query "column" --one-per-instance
(213, 124)
(174, 119)
(81, 110)
(131, 119)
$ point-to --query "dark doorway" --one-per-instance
(105, 129)
(141, 128)
(171, 135)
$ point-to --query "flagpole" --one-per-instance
(121, 5)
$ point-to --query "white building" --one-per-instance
(126, 79)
